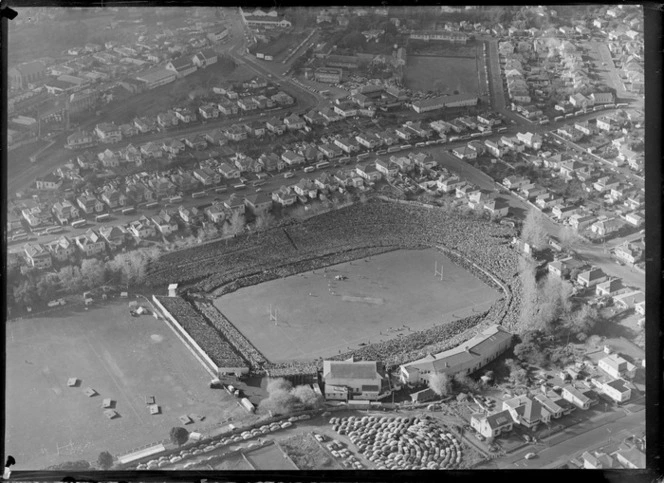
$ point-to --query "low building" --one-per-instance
(37, 256)
(329, 75)
(617, 367)
(442, 102)
(347, 380)
(463, 359)
(526, 411)
(576, 397)
(617, 390)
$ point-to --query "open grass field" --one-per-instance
(269, 458)
(319, 316)
(445, 74)
(307, 454)
(123, 358)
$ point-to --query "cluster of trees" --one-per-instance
(443, 385)
(284, 398)
(30, 288)
(179, 435)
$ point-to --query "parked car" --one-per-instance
(530, 456)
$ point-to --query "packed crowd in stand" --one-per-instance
(224, 326)
(209, 339)
(354, 232)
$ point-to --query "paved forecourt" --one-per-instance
(383, 297)
(121, 357)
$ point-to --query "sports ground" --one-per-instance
(382, 298)
(445, 74)
(121, 357)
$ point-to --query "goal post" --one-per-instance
(438, 272)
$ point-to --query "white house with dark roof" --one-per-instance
(346, 380)
(492, 425)
(617, 367)
(526, 411)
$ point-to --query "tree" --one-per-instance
(533, 231)
(463, 382)
(264, 220)
(179, 435)
(440, 383)
(93, 272)
(47, 286)
(105, 460)
(582, 322)
(26, 293)
(308, 397)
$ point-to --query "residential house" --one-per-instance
(207, 176)
(514, 182)
(305, 187)
(607, 226)
(162, 186)
(185, 114)
(114, 236)
(347, 145)
(62, 249)
(497, 207)
(258, 203)
(581, 221)
(630, 252)
(195, 141)
(151, 150)
(228, 171)
(89, 204)
(204, 58)
(576, 397)
(113, 198)
(37, 256)
(387, 168)
(597, 461)
(292, 159)
(617, 390)
(189, 215)
(173, 147)
(208, 111)
(494, 148)
(235, 133)
(275, 126)
(526, 411)
(592, 277)
(631, 458)
(283, 196)
(108, 132)
(216, 137)
(235, 204)
(368, 140)
(465, 152)
(48, 182)
(163, 226)
(65, 211)
(90, 243)
(562, 212)
(532, 140)
(330, 151)
(167, 119)
(182, 66)
(368, 172)
(216, 212)
(142, 228)
(79, 140)
(346, 380)
(554, 409)
(635, 219)
(628, 300)
(294, 122)
(463, 359)
(492, 425)
(271, 162)
(609, 287)
(617, 367)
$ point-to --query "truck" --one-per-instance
(246, 404)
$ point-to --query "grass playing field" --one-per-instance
(319, 316)
(446, 74)
(121, 357)
(269, 458)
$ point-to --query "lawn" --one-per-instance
(123, 358)
(269, 458)
(307, 454)
(444, 74)
(318, 316)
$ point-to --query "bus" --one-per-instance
(406, 146)
(128, 211)
(79, 223)
(393, 149)
(454, 138)
(198, 194)
(221, 189)
(152, 204)
(240, 186)
(54, 229)
(419, 145)
(344, 160)
(19, 236)
(103, 217)
(309, 169)
(363, 156)
(475, 134)
(175, 199)
(323, 164)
